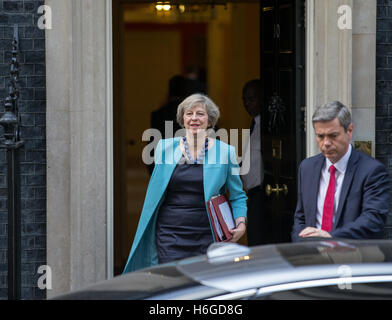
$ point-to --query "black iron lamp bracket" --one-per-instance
(10, 121)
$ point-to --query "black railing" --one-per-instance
(10, 121)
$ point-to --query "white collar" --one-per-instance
(341, 165)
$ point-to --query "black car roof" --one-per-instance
(281, 263)
(231, 267)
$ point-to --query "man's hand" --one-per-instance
(314, 232)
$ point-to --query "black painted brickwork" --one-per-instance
(384, 91)
(32, 107)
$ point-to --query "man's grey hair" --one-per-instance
(332, 110)
(198, 98)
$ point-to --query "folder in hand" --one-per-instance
(221, 218)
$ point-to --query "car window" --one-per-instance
(356, 291)
(334, 252)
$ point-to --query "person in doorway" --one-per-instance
(174, 222)
(197, 79)
(342, 193)
(179, 88)
(252, 169)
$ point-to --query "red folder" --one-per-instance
(221, 218)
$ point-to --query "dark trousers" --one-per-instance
(255, 216)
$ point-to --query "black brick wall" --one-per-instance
(384, 91)
(32, 106)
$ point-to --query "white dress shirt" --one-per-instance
(252, 159)
(341, 167)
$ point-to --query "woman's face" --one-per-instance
(196, 118)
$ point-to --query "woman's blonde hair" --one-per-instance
(198, 98)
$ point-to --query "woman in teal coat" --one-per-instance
(189, 170)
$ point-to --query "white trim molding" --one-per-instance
(79, 144)
(109, 143)
(341, 63)
(328, 60)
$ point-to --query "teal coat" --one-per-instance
(220, 174)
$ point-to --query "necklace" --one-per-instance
(201, 155)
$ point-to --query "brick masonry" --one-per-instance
(32, 107)
(384, 92)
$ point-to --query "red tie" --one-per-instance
(328, 203)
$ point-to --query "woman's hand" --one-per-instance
(239, 230)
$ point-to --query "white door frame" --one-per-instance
(109, 144)
(328, 61)
(79, 137)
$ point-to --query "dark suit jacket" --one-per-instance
(363, 203)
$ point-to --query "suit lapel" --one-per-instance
(348, 177)
(210, 170)
(171, 154)
(314, 189)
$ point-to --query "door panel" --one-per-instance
(282, 129)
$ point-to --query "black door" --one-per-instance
(283, 136)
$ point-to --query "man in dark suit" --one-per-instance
(252, 168)
(342, 193)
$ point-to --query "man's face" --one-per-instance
(332, 139)
(251, 101)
